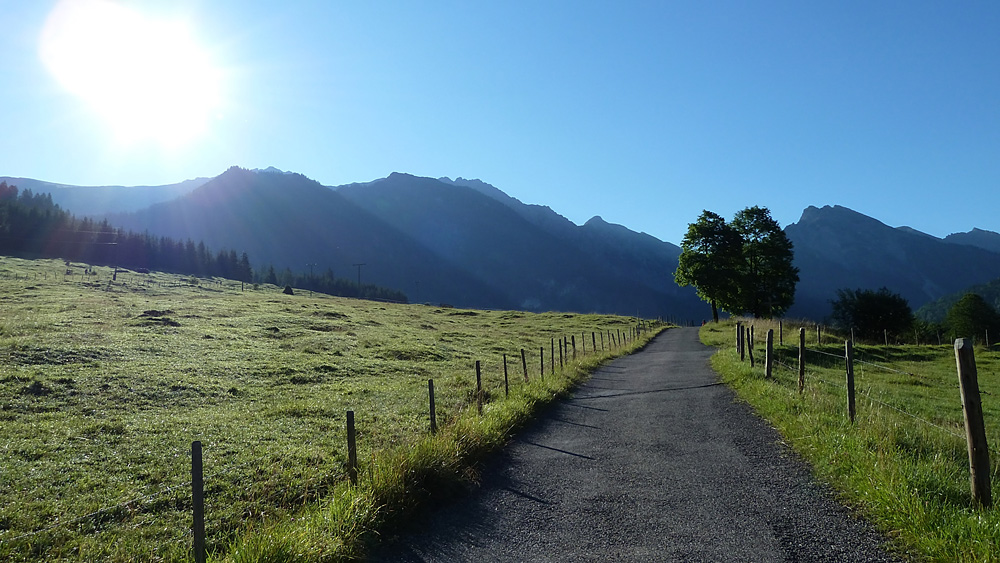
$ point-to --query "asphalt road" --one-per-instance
(651, 460)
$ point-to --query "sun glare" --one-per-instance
(148, 79)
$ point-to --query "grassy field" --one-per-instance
(104, 385)
(904, 462)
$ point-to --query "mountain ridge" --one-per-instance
(838, 248)
(466, 242)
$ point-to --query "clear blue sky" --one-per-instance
(645, 113)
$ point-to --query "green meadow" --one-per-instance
(105, 383)
(903, 463)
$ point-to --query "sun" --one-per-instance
(148, 79)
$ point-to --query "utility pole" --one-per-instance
(311, 264)
(359, 274)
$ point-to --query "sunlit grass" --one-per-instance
(104, 385)
(904, 462)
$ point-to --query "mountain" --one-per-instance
(291, 221)
(464, 242)
(988, 240)
(649, 261)
(100, 200)
(540, 259)
(467, 243)
(435, 241)
(838, 248)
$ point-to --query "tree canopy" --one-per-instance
(742, 267)
(708, 259)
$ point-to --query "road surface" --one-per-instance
(652, 459)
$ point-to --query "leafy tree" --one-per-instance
(972, 316)
(767, 276)
(870, 313)
(709, 256)
(744, 266)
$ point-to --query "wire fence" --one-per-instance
(833, 358)
(617, 338)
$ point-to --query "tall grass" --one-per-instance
(903, 464)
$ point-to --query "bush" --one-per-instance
(871, 312)
(972, 317)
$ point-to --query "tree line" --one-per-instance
(32, 226)
(875, 315)
(328, 283)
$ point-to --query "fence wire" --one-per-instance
(813, 376)
(147, 498)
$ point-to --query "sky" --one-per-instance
(645, 113)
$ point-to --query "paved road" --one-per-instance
(651, 460)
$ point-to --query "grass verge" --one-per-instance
(903, 464)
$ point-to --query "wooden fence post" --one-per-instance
(198, 502)
(593, 341)
(552, 357)
(975, 432)
(479, 388)
(524, 365)
(769, 352)
(541, 361)
(819, 335)
(574, 347)
(802, 359)
(505, 367)
(740, 341)
(602, 341)
(749, 332)
(781, 334)
(430, 392)
(849, 354)
(561, 353)
(885, 332)
(352, 450)
(506, 382)
(583, 342)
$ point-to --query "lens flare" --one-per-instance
(148, 79)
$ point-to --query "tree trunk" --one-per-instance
(715, 312)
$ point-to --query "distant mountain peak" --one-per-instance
(988, 240)
(836, 213)
(270, 170)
